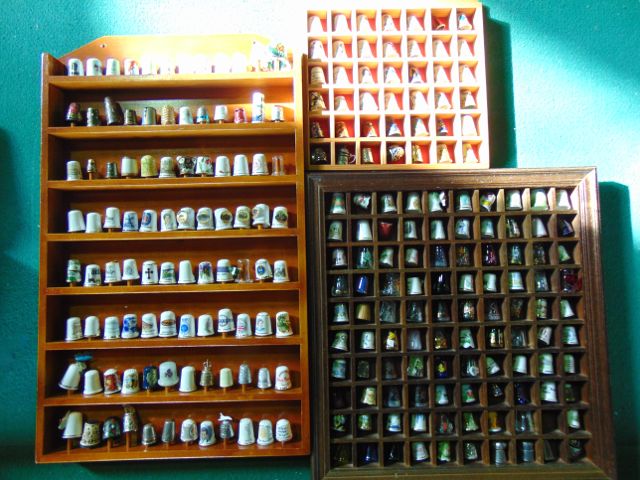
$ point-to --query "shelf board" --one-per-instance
(172, 452)
(173, 342)
(175, 235)
(171, 183)
(165, 289)
(173, 131)
(215, 395)
(182, 81)
(401, 166)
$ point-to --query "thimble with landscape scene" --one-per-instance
(149, 326)
(168, 324)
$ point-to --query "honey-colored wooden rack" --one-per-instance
(414, 28)
(340, 451)
(58, 301)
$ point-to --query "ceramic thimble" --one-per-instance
(242, 217)
(112, 218)
(167, 167)
(92, 383)
(149, 221)
(111, 328)
(168, 374)
(188, 431)
(259, 165)
(74, 171)
(207, 434)
(130, 381)
(188, 379)
(316, 50)
(91, 276)
(260, 216)
(186, 165)
(128, 167)
(220, 113)
(130, 270)
(72, 424)
(223, 271)
(168, 221)
(185, 273)
(205, 325)
(265, 432)
(225, 321)
(168, 324)
(90, 434)
(205, 273)
(222, 168)
(282, 378)
(280, 271)
(263, 270)
(185, 117)
(75, 67)
(111, 381)
(204, 216)
(204, 166)
(75, 221)
(93, 223)
(243, 326)
(94, 67)
(223, 218)
(284, 432)
(263, 325)
(167, 274)
(91, 327)
(149, 273)
(130, 326)
(186, 218)
(283, 325)
(149, 326)
(225, 378)
(73, 329)
(202, 115)
(563, 201)
(129, 221)
(264, 378)
(187, 327)
(245, 432)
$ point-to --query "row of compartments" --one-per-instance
(460, 283)
(420, 127)
(446, 453)
(481, 424)
(412, 75)
(414, 227)
(387, 21)
(494, 309)
(395, 49)
(469, 394)
(522, 339)
(374, 153)
(459, 255)
(440, 202)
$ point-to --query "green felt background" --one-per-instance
(564, 87)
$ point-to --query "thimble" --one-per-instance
(111, 328)
(112, 218)
(75, 221)
(185, 272)
(188, 431)
(130, 270)
(257, 107)
(185, 117)
(563, 201)
(264, 378)
(244, 374)
(283, 325)
(149, 221)
(243, 326)
(187, 379)
(223, 271)
(167, 167)
(113, 112)
(74, 171)
(493, 368)
(167, 324)
(185, 218)
(90, 434)
(168, 374)
(284, 432)
(225, 378)
(317, 76)
(187, 327)
(93, 117)
(94, 67)
(148, 435)
(263, 270)
(130, 326)
(111, 431)
(282, 378)
(548, 392)
(207, 434)
(91, 275)
(570, 335)
(280, 271)
(225, 321)
(92, 382)
(168, 431)
(263, 325)
(74, 114)
(130, 381)
(91, 327)
(75, 68)
(167, 274)
(111, 381)
(93, 223)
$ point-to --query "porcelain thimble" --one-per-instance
(129, 221)
(263, 270)
(280, 271)
(223, 271)
(265, 432)
(128, 167)
(74, 171)
(185, 117)
(283, 325)
(205, 273)
(91, 276)
(207, 434)
(92, 383)
(130, 270)
(130, 382)
(188, 379)
(167, 167)
(520, 364)
(466, 283)
(168, 374)
(225, 378)
(563, 201)
(242, 218)
(73, 329)
(225, 321)
(513, 200)
(148, 326)
(168, 221)
(72, 424)
(186, 218)
(91, 327)
(90, 434)
(74, 271)
(167, 274)
(94, 67)
(205, 325)
(282, 378)
(149, 221)
(130, 326)
(222, 168)
(112, 218)
(186, 165)
(93, 223)
(111, 328)
(240, 165)
(168, 324)
(280, 217)
(245, 432)
(187, 327)
(185, 273)
(204, 166)
(260, 216)
(111, 381)
(223, 219)
(188, 431)
(204, 216)
(283, 430)
(75, 221)
(548, 392)
(263, 325)
(243, 326)
(75, 68)
(259, 165)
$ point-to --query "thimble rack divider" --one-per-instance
(59, 300)
(415, 39)
(525, 413)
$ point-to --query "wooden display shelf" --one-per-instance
(173, 131)
(425, 334)
(439, 68)
(104, 144)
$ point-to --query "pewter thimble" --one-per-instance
(113, 112)
(243, 326)
(169, 431)
(167, 167)
(93, 117)
(187, 327)
(205, 273)
(283, 430)
(185, 116)
(92, 382)
(188, 380)
(167, 274)
(149, 326)
(91, 327)
(148, 435)
(111, 328)
(244, 374)
(264, 378)
(168, 324)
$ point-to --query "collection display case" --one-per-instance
(396, 88)
(64, 299)
(459, 325)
